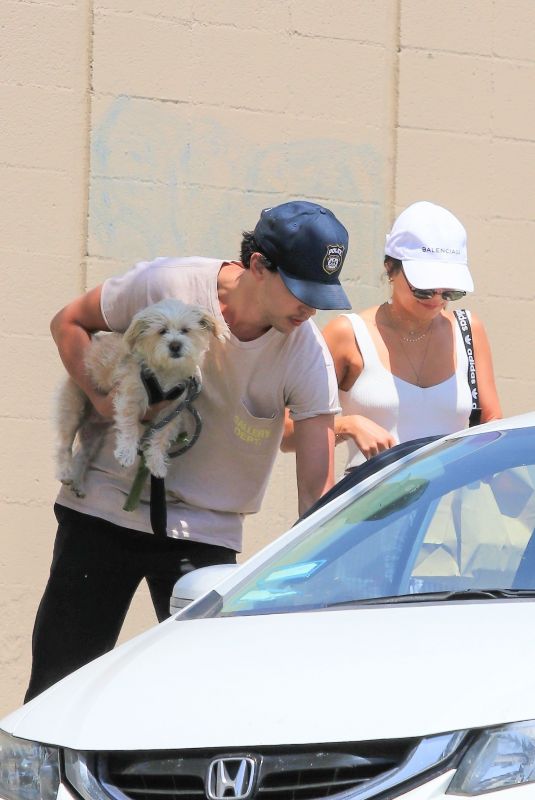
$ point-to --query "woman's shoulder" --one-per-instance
(369, 316)
(474, 319)
(344, 324)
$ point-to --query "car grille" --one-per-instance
(291, 773)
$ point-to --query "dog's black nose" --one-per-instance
(175, 348)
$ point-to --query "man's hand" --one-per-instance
(103, 405)
(153, 411)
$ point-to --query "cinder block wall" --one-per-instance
(137, 128)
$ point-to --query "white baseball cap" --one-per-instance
(431, 244)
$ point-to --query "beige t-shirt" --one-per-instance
(245, 389)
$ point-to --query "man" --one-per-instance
(270, 357)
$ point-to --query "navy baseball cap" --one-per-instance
(308, 246)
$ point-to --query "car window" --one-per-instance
(456, 518)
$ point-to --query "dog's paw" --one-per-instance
(126, 454)
(77, 489)
(64, 474)
(156, 464)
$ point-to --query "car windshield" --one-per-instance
(458, 518)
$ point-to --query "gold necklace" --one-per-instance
(413, 335)
(418, 372)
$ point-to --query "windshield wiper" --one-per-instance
(420, 597)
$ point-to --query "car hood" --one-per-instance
(344, 675)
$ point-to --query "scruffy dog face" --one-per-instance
(170, 336)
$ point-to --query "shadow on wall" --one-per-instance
(167, 178)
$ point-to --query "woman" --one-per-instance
(402, 366)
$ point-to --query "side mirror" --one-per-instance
(196, 583)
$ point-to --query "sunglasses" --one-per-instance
(427, 294)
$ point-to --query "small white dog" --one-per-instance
(165, 344)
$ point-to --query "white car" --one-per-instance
(383, 648)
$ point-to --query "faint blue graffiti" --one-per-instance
(169, 179)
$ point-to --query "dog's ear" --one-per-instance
(209, 322)
(137, 328)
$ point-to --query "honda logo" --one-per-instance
(230, 777)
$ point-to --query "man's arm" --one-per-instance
(71, 329)
(314, 456)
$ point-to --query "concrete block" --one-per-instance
(339, 158)
(238, 149)
(337, 79)
(231, 68)
(509, 358)
(461, 27)
(141, 139)
(516, 395)
(513, 108)
(40, 211)
(44, 44)
(511, 252)
(512, 170)
(449, 169)
(245, 14)
(454, 92)
(35, 370)
(28, 532)
(218, 217)
(30, 477)
(498, 251)
(141, 56)
(514, 24)
(365, 21)
(166, 9)
(132, 220)
(44, 127)
(480, 257)
(36, 282)
(98, 269)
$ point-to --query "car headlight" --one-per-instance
(498, 758)
(80, 772)
(28, 770)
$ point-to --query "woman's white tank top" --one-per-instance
(405, 410)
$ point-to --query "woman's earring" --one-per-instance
(390, 281)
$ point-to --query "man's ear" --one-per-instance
(257, 266)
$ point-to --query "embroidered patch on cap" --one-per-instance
(334, 258)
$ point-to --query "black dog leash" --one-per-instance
(158, 504)
(189, 389)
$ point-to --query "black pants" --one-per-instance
(96, 569)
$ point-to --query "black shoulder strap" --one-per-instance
(466, 332)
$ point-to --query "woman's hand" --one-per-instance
(369, 437)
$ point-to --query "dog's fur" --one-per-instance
(170, 338)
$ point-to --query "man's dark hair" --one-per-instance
(250, 246)
(393, 266)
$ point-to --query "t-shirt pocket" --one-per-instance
(256, 434)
